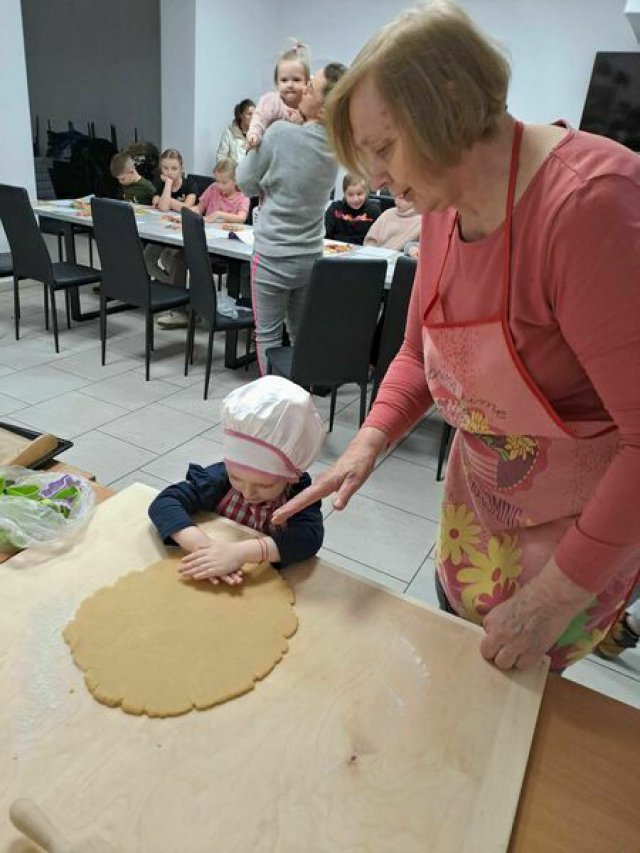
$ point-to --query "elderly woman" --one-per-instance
(524, 330)
(233, 142)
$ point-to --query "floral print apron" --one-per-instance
(518, 476)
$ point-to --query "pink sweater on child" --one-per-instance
(270, 108)
(212, 200)
(393, 229)
(574, 319)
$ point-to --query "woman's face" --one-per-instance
(245, 119)
(387, 154)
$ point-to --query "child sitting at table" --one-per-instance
(291, 76)
(396, 227)
(223, 201)
(272, 432)
(134, 188)
(164, 263)
(174, 189)
(350, 218)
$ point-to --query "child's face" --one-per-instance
(171, 168)
(128, 177)
(226, 183)
(255, 488)
(403, 205)
(355, 195)
(292, 81)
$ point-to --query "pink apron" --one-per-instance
(517, 477)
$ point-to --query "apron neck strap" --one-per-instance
(508, 216)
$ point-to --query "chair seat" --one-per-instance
(224, 323)
(66, 274)
(165, 296)
(6, 264)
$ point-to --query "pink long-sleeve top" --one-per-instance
(574, 317)
(270, 108)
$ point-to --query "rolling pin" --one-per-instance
(31, 821)
(35, 450)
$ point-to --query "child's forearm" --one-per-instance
(233, 217)
(258, 550)
(191, 538)
(164, 202)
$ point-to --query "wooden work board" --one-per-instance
(381, 730)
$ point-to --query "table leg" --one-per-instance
(231, 357)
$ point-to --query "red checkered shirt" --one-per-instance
(256, 516)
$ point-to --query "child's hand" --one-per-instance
(212, 217)
(252, 141)
(296, 117)
(214, 562)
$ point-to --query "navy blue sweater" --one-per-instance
(204, 488)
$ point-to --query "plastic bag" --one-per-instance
(228, 307)
(37, 507)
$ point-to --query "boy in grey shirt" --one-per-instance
(294, 171)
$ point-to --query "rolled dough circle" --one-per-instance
(154, 644)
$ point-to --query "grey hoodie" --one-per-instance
(293, 171)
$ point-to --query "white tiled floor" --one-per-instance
(126, 430)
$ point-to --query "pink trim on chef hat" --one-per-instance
(272, 426)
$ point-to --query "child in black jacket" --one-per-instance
(272, 432)
(350, 218)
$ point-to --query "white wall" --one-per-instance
(552, 43)
(16, 157)
(235, 55)
(94, 60)
(177, 50)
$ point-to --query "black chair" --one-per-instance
(6, 265)
(54, 227)
(204, 299)
(338, 321)
(124, 272)
(31, 258)
(201, 182)
(394, 319)
(445, 441)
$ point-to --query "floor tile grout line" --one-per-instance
(360, 563)
(603, 665)
(400, 509)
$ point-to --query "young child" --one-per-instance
(350, 218)
(272, 432)
(223, 201)
(174, 189)
(134, 188)
(164, 263)
(291, 76)
(395, 228)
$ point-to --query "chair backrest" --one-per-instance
(202, 288)
(28, 250)
(338, 321)
(395, 316)
(124, 272)
(201, 182)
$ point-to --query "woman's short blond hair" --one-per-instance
(443, 81)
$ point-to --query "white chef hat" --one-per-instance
(271, 426)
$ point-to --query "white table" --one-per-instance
(165, 228)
